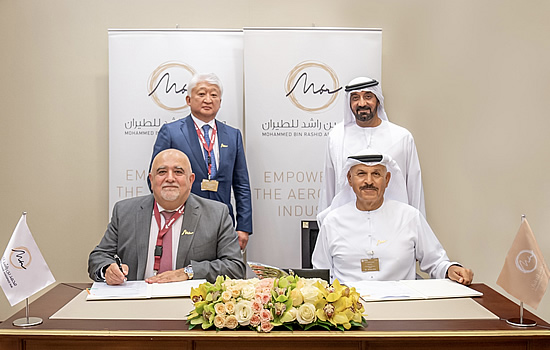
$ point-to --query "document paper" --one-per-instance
(412, 289)
(141, 290)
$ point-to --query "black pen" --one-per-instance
(119, 263)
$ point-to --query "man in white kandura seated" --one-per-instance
(368, 238)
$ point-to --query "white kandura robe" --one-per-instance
(396, 233)
(387, 138)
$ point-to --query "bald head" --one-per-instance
(171, 178)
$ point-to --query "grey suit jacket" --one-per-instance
(209, 244)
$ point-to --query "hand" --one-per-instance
(168, 276)
(460, 274)
(114, 276)
(243, 239)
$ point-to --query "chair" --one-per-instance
(323, 274)
(310, 231)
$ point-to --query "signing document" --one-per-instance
(412, 289)
(142, 290)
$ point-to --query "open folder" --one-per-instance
(142, 290)
(412, 289)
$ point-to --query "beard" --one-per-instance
(364, 114)
(170, 194)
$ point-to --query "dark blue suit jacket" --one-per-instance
(232, 169)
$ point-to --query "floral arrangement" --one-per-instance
(291, 301)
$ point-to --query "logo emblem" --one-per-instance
(167, 85)
(312, 86)
(20, 258)
(526, 261)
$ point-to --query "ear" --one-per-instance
(388, 177)
(188, 100)
(191, 178)
(349, 177)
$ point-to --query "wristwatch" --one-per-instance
(189, 271)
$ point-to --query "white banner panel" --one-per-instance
(294, 81)
(148, 75)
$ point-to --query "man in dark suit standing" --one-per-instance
(215, 151)
(170, 235)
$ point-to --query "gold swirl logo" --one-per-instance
(20, 257)
(167, 85)
(312, 86)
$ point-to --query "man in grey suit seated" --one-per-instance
(170, 235)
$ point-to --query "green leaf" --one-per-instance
(288, 326)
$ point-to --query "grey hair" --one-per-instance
(210, 78)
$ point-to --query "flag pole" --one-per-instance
(521, 322)
(27, 321)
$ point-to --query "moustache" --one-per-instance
(368, 187)
(363, 109)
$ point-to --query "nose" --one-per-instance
(170, 176)
(368, 179)
(362, 101)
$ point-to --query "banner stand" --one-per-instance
(27, 321)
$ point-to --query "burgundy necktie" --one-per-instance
(166, 258)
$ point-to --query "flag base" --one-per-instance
(27, 321)
(521, 322)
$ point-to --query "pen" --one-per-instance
(119, 263)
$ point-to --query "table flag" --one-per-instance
(525, 274)
(23, 269)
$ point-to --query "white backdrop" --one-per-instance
(294, 95)
(148, 75)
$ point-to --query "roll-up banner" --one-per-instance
(294, 95)
(148, 75)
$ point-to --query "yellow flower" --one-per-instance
(332, 292)
(198, 294)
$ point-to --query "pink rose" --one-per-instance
(266, 298)
(255, 320)
(265, 315)
(257, 306)
(266, 326)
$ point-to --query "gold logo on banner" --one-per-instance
(312, 86)
(20, 258)
(167, 85)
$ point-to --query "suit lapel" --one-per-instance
(191, 218)
(143, 230)
(223, 143)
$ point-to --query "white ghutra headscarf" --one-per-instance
(396, 190)
(364, 84)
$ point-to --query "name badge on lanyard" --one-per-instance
(370, 265)
(209, 185)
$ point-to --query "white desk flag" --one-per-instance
(525, 274)
(23, 269)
